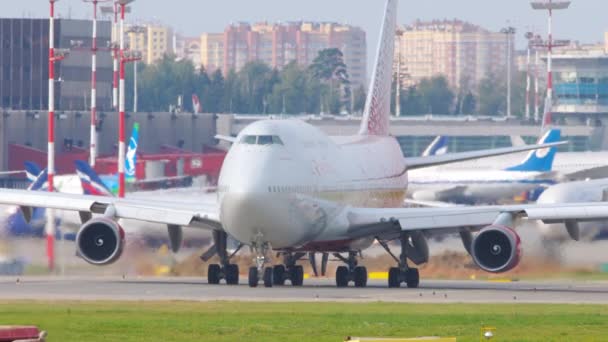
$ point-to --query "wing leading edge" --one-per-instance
(369, 221)
(148, 210)
(436, 160)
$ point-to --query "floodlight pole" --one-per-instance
(536, 85)
(116, 57)
(529, 36)
(94, 49)
(50, 220)
(121, 105)
(549, 5)
(508, 31)
(121, 101)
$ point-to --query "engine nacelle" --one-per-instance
(100, 241)
(496, 249)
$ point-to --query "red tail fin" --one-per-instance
(377, 108)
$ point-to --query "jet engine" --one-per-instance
(100, 241)
(496, 249)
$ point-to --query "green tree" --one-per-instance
(291, 94)
(330, 69)
(213, 95)
(437, 97)
(360, 97)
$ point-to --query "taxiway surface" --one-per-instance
(196, 289)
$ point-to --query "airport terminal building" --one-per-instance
(24, 64)
(581, 87)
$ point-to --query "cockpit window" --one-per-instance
(249, 139)
(276, 140)
(261, 140)
(265, 140)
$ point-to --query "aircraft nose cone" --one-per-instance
(272, 218)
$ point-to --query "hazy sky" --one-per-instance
(584, 21)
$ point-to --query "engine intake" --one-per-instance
(100, 241)
(496, 249)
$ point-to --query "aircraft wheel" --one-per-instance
(394, 277)
(253, 277)
(342, 276)
(412, 278)
(268, 277)
(360, 276)
(278, 276)
(297, 275)
(232, 274)
(213, 274)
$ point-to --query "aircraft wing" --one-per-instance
(435, 160)
(148, 210)
(370, 221)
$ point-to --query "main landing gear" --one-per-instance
(289, 270)
(225, 270)
(403, 273)
(351, 272)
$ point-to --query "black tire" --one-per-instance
(278, 276)
(213, 274)
(268, 277)
(253, 277)
(360, 276)
(412, 278)
(394, 277)
(342, 276)
(297, 275)
(232, 274)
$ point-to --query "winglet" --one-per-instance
(225, 138)
(32, 171)
(438, 147)
(89, 180)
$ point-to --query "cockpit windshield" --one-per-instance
(261, 140)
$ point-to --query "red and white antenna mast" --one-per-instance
(55, 55)
(549, 5)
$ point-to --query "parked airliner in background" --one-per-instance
(575, 192)
(288, 187)
(490, 185)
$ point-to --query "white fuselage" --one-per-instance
(565, 162)
(476, 185)
(293, 194)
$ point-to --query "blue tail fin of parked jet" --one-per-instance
(90, 181)
(438, 147)
(540, 160)
(32, 171)
(131, 157)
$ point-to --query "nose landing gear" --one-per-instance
(258, 272)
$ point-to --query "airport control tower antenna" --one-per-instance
(549, 5)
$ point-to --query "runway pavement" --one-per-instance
(196, 289)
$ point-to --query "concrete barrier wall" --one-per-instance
(156, 129)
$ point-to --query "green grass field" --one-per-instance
(239, 321)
